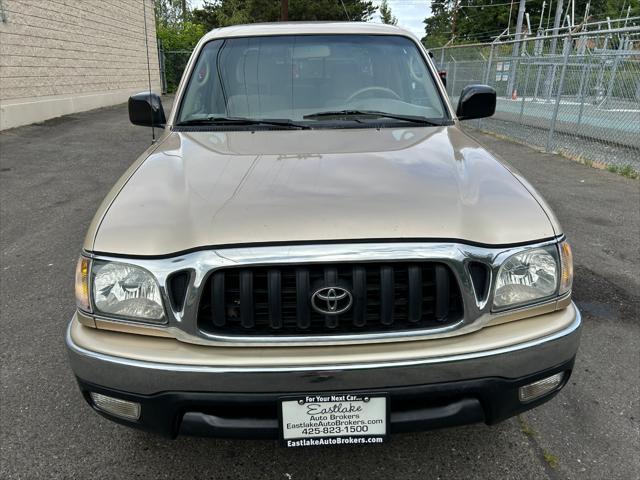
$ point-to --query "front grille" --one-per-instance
(277, 300)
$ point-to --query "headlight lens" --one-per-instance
(526, 277)
(126, 291)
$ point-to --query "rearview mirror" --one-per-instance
(145, 109)
(476, 101)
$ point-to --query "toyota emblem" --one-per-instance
(331, 300)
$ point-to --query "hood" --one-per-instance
(200, 189)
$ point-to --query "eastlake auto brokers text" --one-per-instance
(335, 419)
(310, 442)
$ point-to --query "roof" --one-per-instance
(305, 28)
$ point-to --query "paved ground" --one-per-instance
(52, 178)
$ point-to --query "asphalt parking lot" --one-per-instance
(54, 175)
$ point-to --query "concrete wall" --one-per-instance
(63, 56)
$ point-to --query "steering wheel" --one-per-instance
(387, 91)
(414, 69)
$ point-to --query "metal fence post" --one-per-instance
(603, 63)
(524, 90)
(487, 74)
(583, 76)
(488, 69)
(585, 79)
(538, 52)
(614, 68)
(554, 118)
(162, 65)
(453, 77)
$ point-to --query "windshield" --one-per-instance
(311, 79)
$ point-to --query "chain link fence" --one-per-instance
(172, 65)
(577, 93)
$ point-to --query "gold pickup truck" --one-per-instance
(313, 250)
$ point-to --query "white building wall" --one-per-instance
(63, 56)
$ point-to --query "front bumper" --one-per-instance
(233, 391)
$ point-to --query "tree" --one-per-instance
(386, 15)
(438, 24)
(182, 36)
(177, 35)
(171, 12)
(220, 13)
(177, 42)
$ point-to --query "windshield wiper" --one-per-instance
(241, 121)
(373, 113)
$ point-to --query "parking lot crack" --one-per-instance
(548, 460)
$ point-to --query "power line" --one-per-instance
(485, 6)
(487, 33)
(408, 2)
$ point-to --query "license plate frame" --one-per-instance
(334, 419)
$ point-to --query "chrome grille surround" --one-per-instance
(182, 324)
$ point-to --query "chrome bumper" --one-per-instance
(140, 376)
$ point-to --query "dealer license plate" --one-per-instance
(333, 419)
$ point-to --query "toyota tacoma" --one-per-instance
(313, 250)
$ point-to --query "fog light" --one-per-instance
(541, 387)
(116, 406)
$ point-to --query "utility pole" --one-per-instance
(516, 49)
(454, 19)
(284, 10)
(551, 72)
(556, 25)
(521, 9)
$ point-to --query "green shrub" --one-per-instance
(177, 42)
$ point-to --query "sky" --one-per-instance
(410, 13)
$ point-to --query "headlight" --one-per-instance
(126, 291)
(526, 277)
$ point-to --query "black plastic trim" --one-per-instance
(325, 125)
(480, 278)
(415, 289)
(303, 293)
(178, 284)
(275, 294)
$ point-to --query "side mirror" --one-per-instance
(145, 109)
(476, 101)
